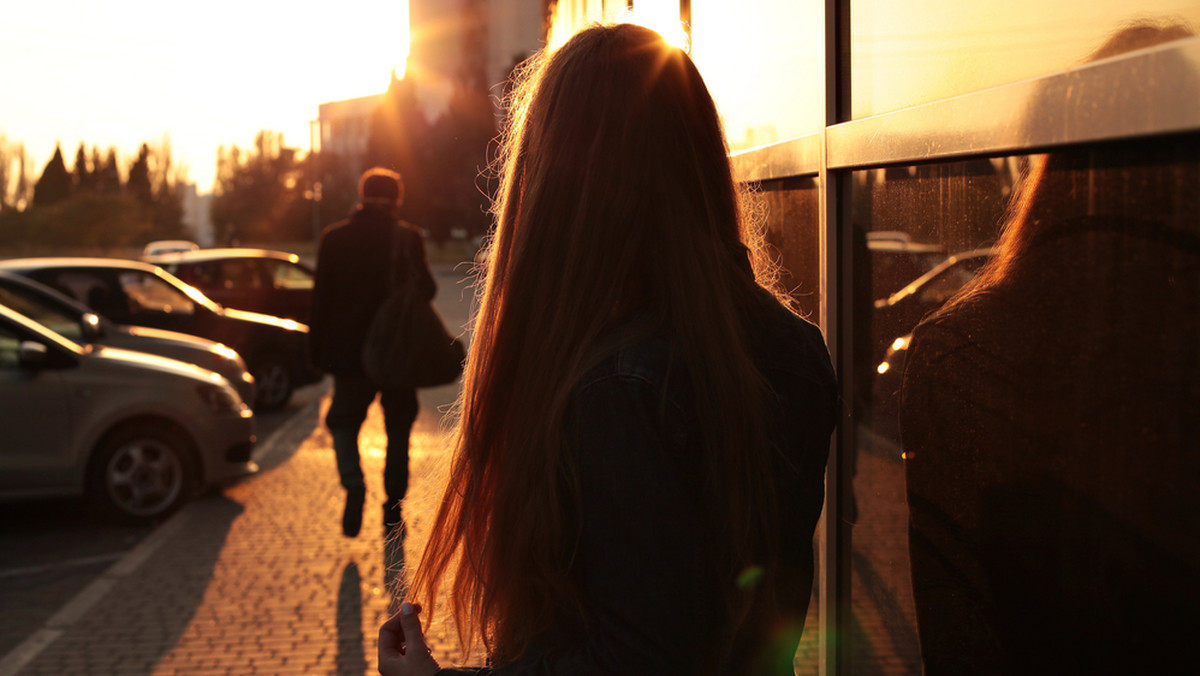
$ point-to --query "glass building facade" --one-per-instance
(993, 213)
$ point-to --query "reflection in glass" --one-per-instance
(918, 234)
(791, 230)
(906, 53)
(1048, 417)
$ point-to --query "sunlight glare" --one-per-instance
(660, 16)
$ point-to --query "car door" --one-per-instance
(36, 451)
(292, 286)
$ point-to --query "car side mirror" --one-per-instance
(35, 356)
(31, 354)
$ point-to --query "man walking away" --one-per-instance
(354, 272)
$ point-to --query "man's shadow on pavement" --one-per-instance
(351, 658)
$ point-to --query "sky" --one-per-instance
(196, 76)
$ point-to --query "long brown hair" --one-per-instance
(616, 198)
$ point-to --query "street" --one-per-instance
(263, 559)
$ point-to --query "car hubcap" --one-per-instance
(144, 477)
(272, 384)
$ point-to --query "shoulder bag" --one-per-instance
(407, 344)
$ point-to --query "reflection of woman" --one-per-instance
(1049, 417)
(640, 457)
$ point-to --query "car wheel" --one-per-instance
(274, 380)
(141, 472)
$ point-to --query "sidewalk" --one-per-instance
(256, 579)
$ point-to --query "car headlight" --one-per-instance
(220, 398)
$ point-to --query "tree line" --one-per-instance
(267, 195)
(91, 205)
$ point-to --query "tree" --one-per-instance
(55, 184)
(6, 165)
(399, 140)
(259, 195)
(168, 201)
(84, 178)
(458, 162)
(138, 184)
(108, 177)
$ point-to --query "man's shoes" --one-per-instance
(352, 515)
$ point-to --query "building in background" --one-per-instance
(196, 218)
(457, 46)
(345, 128)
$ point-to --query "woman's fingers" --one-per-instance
(391, 636)
(410, 628)
(402, 647)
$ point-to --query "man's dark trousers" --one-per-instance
(352, 397)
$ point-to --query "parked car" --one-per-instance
(133, 292)
(168, 245)
(260, 280)
(75, 321)
(896, 318)
(897, 314)
(136, 433)
(896, 260)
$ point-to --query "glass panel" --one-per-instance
(50, 315)
(1040, 423)
(791, 231)
(906, 53)
(740, 46)
(147, 292)
(289, 276)
(9, 354)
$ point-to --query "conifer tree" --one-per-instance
(108, 177)
(85, 177)
(55, 184)
(138, 184)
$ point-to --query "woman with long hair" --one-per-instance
(639, 459)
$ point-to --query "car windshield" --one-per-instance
(148, 292)
(290, 276)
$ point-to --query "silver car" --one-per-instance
(137, 433)
(74, 320)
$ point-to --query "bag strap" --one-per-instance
(409, 260)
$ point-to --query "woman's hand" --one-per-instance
(402, 648)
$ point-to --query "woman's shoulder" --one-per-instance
(784, 342)
(643, 359)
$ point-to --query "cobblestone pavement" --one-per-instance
(257, 579)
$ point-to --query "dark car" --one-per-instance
(260, 280)
(133, 292)
(75, 321)
(897, 314)
(896, 260)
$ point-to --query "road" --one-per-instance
(51, 550)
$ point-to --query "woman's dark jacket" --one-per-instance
(644, 565)
(353, 276)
